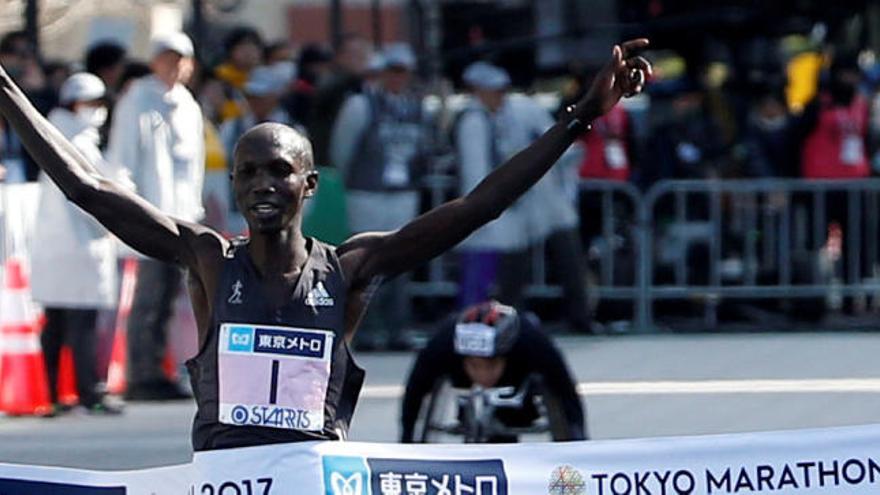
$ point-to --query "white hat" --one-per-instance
(81, 86)
(175, 42)
(376, 62)
(484, 75)
(265, 80)
(286, 70)
(399, 55)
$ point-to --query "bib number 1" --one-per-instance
(274, 377)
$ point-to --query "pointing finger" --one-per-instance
(632, 46)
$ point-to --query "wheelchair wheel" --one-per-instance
(438, 413)
(558, 426)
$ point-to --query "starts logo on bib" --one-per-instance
(344, 475)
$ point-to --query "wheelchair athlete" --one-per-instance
(491, 345)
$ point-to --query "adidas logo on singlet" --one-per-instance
(319, 296)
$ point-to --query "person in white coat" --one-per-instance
(157, 136)
(493, 126)
(73, 257)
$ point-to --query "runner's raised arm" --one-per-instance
(131, 218)
(387, 254)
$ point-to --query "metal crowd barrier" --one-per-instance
(711, 240)
(761, 239)
(698, 240)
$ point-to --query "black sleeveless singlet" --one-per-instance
(259, 364)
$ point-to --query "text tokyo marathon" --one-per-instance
(760, 478)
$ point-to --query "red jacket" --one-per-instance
(835, 148)
(607, 154)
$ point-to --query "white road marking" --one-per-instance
(687, 387)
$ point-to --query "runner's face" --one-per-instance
(270, 183)
(484, 372)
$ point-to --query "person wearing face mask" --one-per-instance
(686, 143)
(769, 143)
(73, 257)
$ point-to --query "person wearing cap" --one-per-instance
(262, 94)
(375, 66)
(379, 145)
(257, 296)
(491, 345)
(157, 137)
(73, 260)
(492, 127)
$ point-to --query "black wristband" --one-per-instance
(575, 126)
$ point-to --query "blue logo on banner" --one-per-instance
(346, 476)
(241, 339)
(359, 476)
(289, 342)
(20, 487)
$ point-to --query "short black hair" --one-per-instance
(347, 38)
(845, 61)
(51, 66)
(313, 53)
(273, 47)
(9, 40)
(134, 70)
(103, 55)
(240, 35)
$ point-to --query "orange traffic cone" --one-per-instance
(23, 388)
(116, 381)
(116, 371)
(67, 393)
(169, 365)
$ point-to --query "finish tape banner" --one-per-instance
(827, 461)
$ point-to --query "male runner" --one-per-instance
(275, 312)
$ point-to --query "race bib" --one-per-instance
(398, 155)
(475, 339)
(688, 152)
(396, 174)
(274, 377)
(615, 156)
(852, 151)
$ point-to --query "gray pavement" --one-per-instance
(635, 386)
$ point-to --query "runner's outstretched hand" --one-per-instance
(131, 218)
(624, 75)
